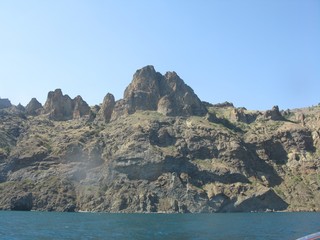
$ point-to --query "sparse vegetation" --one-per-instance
(130, 163)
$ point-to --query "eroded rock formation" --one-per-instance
(106, 108)
(61, 107)
(168, 94)
(34, 107)
(159, 149)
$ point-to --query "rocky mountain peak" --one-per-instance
(167, 94)
(144, 80)
(144, 76)
(143, 92)
(58, 106)
(61, 107)
(229, 160)
(33, 107)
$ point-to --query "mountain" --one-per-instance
(159, 149)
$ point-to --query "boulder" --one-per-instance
(166, 106)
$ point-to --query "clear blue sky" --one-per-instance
(253, 53)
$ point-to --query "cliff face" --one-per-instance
(168, 94)
(159, 149)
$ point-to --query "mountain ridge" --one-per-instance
(158, 149)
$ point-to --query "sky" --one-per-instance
(256, 54)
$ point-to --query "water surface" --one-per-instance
(51, 225)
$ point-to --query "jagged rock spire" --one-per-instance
(167, 94)
(61, 107)
(33, 107)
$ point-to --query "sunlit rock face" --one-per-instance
(167, 94)
(80, 108)
(61, 107)
(159, 149)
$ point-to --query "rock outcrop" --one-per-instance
(21, 108)
(159, 149)
(58, 106)
(106, 109)
(61, 107)
(168, 94)
(33, 107)
(242, 115)
(274, 114)
(80, 108)
(5, 103)
(143, 93)
(177, 98)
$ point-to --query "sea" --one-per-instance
(220, 226)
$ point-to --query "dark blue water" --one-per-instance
(49, 225)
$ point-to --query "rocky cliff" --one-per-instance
(159, 149)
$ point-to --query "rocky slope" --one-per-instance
(159, 149)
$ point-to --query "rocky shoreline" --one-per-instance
(159, 149)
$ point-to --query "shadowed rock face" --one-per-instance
(143, 92)
(21, 202)
(264, 199)
(34, 107)
(58, 106)
(106, 109)
(5, 103)
(80, 108)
